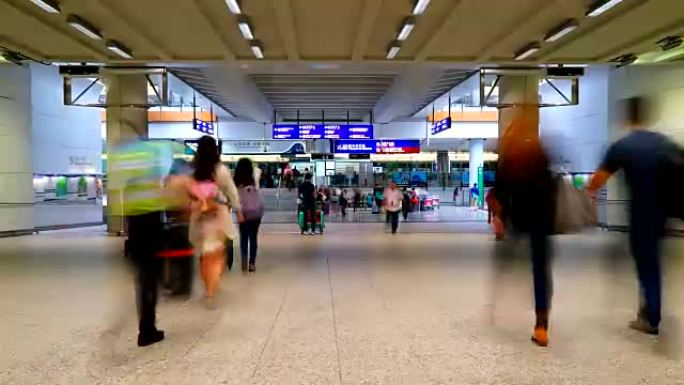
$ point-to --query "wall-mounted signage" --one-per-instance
(385, 146)
(263, 146)
(323, 131)
(440, 125)
(203, 126)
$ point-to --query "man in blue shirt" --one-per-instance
(641, 156)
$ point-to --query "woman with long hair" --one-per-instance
(213, 191)
(253, 209)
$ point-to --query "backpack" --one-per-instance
(251, 202)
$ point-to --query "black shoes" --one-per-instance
(150, 338)
(252, 268)
(643, 326)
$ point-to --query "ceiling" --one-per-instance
(357, 30)
(331, 54)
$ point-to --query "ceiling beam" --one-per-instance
(615, 15)
(128, 22)
(652, 36)
(539, 11)
(203, 10)
(439, 27)
(9, 43)
(94, 52)
(287, 27)
(371, 10)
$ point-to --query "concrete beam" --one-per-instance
(283, 10)
(18, 10)
(440, 26)
(202, 9)
(127, 22)
(371, 10)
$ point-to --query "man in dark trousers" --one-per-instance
(642, 154)
(307, 195)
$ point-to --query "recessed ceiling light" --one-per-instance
(84, 27)
(245, 28)
(561, 30)
(625, 59)
(527, 51)
(49, 6)
(420, 6)
(601, 6)
(669, 42)
(257, 49)
(393, 50)
(406, 28)
(234, 6)
(119, 49)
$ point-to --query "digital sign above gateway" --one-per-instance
(380, 146)
(322, 131)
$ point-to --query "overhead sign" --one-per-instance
(440, 125)
(203, 126)
(263, 146)
(385, 146)
(323, 131)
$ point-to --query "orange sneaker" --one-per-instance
(540, 336)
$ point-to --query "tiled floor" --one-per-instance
(355, 306)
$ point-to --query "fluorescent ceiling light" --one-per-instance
(234, 6)
(393, 50)
(84, 27)
(245, 28)
(527, 51)
(601, 6)
(420, 6)
(257, 50)
(406, 28)
(670, 42)
(49, 6)
(119, 49)
(562, 30)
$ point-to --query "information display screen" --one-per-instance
(440, 125)
(389, 146)
(323, 131)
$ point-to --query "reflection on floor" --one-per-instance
(442, 214)
(355, 306)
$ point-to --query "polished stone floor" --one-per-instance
(355, 306)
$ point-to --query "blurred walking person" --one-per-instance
(405, 204)
(644, 155)
(137, 174)
(307, 195)
(524, 191)
(213, 192)
(343, 204)
(392, 202)
(252, 209)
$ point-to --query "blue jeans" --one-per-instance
(645, 246)
(248, 239)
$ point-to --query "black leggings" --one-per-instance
(248, 239)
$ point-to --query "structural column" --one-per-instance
(125, 123)
(443, 168)
(522, 92)
(476, 162)
(16, 152)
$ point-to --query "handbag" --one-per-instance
(575, 209)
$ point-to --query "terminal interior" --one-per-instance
(357, 93)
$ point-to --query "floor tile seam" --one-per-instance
(270, 332)
(334, 321)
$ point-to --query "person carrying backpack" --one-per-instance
(252, 211)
